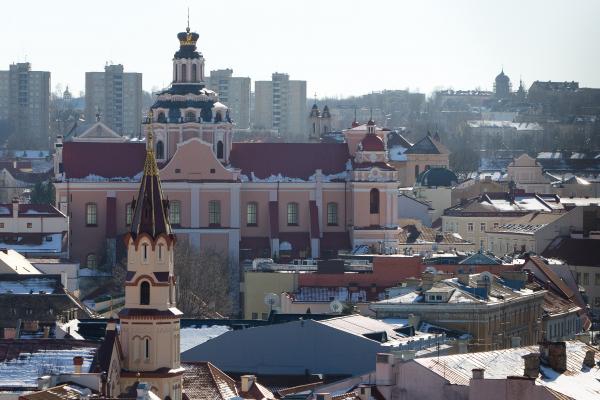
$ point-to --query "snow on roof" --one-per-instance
(24, 370)
(13, 262)
(51, 243)
(397, 153)
(193, 336)
(579, 382)
(519, 126)
(28, 285)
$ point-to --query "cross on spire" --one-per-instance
(188, 21)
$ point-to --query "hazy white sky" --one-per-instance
(341, 47)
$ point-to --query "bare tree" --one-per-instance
(202, 281)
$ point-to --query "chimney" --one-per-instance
(246, 382)
(532, 365)
(323, 396)
(554, 354)
(15, 207)
(590, 359)
(364, 392)
(478, 373)
(77, 364)
(384, 370)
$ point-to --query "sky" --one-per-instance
(340, 47)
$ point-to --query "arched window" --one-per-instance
(160, 150)
(161, 117)
(91, 261)
(292, 214)
(183, 73)
(218, 116)
(374, 201)
(314, 128)
(332, 214)
(145, 293)
(91, 214)
(160, 252)
(220, 149)
(190, 116)
(194, 73)
(251, 214)
(147, 347)
(416, 171)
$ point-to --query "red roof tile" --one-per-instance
(294, 160)
(108, 160)
(372, 142)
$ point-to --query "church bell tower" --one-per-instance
(150, 318)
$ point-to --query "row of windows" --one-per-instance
(214, 213)
(584, 278)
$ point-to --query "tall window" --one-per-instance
(147, 348)
(416, 171)
(175, 212)
(194, 73)
(332, 214)
(292, 214)
(128, 214)
(91, 261)
(145, 293)
(161, 117)
(145, 252)
(374, 201)
(184, 73)
(251, 214)
(214, 213)
(220, 149)
(190, 116)
(482, 227)
(160, 150)
(91, 214)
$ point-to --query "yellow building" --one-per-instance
(257, 285)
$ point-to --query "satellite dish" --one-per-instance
(336, 306)
(271, 300)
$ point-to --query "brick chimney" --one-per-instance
(554, 354)
(590, 359)
(246, 382)
(478, 373)
(532, 365)
(77, 364)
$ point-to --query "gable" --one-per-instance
(97, 132)
(194, 160)
(524, 160)
(427, 145)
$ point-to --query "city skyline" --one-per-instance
(317, 42)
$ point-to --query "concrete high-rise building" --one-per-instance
(117, 97)
(233, 91)
(281, 104)
(24, 101)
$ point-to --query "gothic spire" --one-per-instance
(150, 211)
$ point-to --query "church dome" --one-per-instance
(372, 142)
(502, 77)
(437, 177)
(314, 111)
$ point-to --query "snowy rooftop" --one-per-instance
(23, 284)
(195, 335)
(578, 382)
(24, 369)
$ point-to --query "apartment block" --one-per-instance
(235, 92)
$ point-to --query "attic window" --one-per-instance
(212, 171)
(29, 225)
(48, 238)
(177, 170)
(1, 224)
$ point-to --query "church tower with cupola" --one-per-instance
(187, 109)
(150, 318)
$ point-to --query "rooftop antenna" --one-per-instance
(188, 21)
(315, 97)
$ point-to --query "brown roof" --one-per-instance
(108, 160)
(413, 234)
(62, 392)
(578, 252)
(294, 160)
(562, 287)
(31, 210)
(372, 142)
(204, 381)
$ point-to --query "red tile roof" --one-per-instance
(202, 380)
(372, 142)
(294, 160)
(335, 241)
(108, 160)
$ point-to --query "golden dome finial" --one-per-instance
(150, 167)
